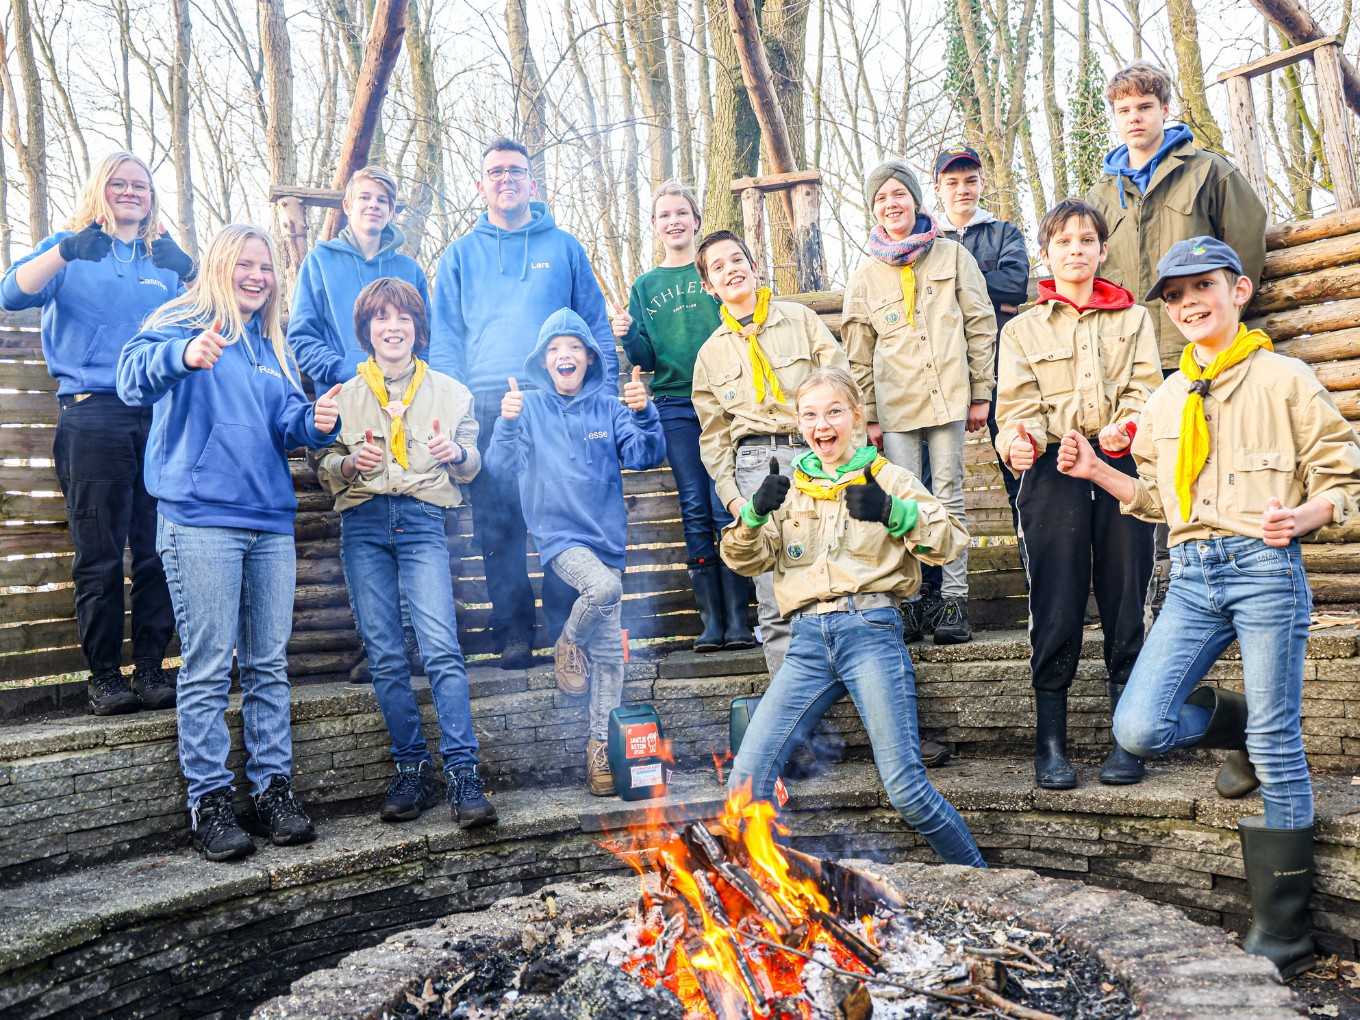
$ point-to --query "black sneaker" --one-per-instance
(467, 799)
(517, 654)
(279, 816)
(408, 791)
(153, 685)
(214, 830)
(951, 625)
(110, 694)
(918, 617)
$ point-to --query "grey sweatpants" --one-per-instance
(753, 467)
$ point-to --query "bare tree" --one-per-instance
(1190, 81)
(527, 85)
(31, 150)
(734, 145)
(180, 109)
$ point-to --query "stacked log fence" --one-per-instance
(1309, 302)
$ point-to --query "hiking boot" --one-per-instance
(933, 755)
(571, 669)
(153, 685)
(517, 654)
(951, 623)
(919, 615)
(599, 776)
(110, 694)
(213, 828)
(466, 795)
(279, 816)
(409, 791)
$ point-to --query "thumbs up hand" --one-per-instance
(369, 456)
(166, 254)
(204, 349)
(513, 402)
(88, 245)
(868, 502)
(1278, 524)
(634, 392)
(1022, 450)
(620, 322)
(327, 411)
(442, 448)
(772, 492)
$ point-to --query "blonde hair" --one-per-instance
(378, 176)
(93, 203)
(675, 187)
(838, 380)
(212, 297)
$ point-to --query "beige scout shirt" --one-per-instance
(919, 376)
(426, 479)
(1062, 369)
(1273, 431)
(818, 551)
(795, 341)
(1192, 192)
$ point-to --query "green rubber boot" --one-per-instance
(1279, 865)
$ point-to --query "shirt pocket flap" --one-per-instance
(944, 272)
(1056, 354)
(783, 359)
(357, 437)
(1114, 338)
(724, 374)
(1262, 460)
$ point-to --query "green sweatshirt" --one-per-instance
(902, 519)
(672, 317)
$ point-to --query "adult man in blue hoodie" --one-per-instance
(321, 323)
(493, 290)
(1160, 188)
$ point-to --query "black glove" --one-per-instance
(88, 245)
(770, 496)
(166, 254)
(868, 502)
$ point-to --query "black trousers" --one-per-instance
(498, 525)
(1073, 539)
(100, 453)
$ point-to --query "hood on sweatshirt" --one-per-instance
(979, 217)
(540, 220)
(1117, 160)
(565, 322)
(1105, 296)
(347, 241)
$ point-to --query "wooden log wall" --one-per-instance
(1309, 303)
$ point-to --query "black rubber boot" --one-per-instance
(1237, 777)
(1121, 768)
(708, 596)
(1228, 724)
(1279, 865)
(736, 600)
(1052, 770)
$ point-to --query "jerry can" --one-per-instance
(635, 748)
(739, 718)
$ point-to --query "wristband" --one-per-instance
(1132, 430)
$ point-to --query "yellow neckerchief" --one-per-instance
(820, 489)
(1193, 449)
(760, 365)
(909, 294)
(370, 373)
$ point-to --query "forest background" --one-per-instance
(226, 98)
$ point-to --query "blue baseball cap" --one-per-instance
(955, 154)
(1190, 258)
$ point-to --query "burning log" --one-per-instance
(738, 878)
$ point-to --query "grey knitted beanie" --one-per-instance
(898, 170)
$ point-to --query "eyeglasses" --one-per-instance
(833, 417)
(514, 173)
(136, 187)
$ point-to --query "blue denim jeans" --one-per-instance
(1221, 589)
(859, 652)
(395, 547)
(701, 512)
(232, 589)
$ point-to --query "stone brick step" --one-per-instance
(168, 934)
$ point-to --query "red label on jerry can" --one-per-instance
(781, 792)
(642, 740)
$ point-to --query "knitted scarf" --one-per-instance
(1193, 449)
(903, 253)
(810, 476)
(761, 368)
(373, 375)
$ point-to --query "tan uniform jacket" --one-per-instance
(818, 551)
(915, 377)
(426, 479)
(795, 341)
(1273, 431)
(1062, 369)
(1192, 192)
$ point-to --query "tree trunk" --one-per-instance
(705, 76)
(289, 218)
(1298, 26)
(1190, 82)
(179, 137)
(32, 151)
(684, 114)
(1053, 109)
(527, 85)
(734, 143)
(429, 169)
(646, 22)
(784, 28)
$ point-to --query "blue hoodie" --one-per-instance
(567, 451)
(494, 288)
(1117, 161)
(321, 323)
(217, 453)
(91, 309)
